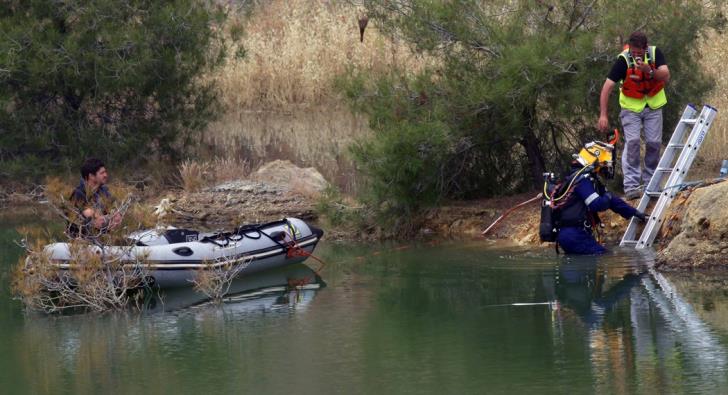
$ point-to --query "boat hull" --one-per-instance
(248, 250)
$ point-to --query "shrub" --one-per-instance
(120, 80)
(515, 91)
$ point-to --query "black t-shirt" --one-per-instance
(619, 68)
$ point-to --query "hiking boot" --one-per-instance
(633, 194)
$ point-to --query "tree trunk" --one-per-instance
(535, 158)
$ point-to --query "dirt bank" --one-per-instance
(694, 234)
(698, 235)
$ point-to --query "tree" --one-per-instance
(122, 80)
(516, 90)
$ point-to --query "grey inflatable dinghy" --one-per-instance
(173, 257)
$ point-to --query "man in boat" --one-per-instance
(91, 200)
(577, 200)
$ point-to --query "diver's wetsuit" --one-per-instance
(575, 218)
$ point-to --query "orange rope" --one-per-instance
(295, 250)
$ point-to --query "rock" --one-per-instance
(700, 242)
(705, 224)
(306, 181)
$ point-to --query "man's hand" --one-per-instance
(115, 220)
(644, 67)
(99, 221)
(640, 215)
(607, 88)
(603, 123)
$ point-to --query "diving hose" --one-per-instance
(510, 210)
(571, 182)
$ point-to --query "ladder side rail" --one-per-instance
(665, 161)
(695, 140)
(631, 232)
(668, 155)
(676, 178)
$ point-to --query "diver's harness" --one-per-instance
(556, 194)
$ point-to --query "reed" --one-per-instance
(294, 49)
(95, 282)
(715, 57)
(195, 175)
(215, 279)
(281, 103)
(280, 100)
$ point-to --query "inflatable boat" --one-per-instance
(173, 257)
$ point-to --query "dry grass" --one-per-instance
(295, 49)
(281, 103)
(193, 175)
(280, 100)
(196, 175)
(214, 280)
(315, 138)
(712, 152)
(95, 282)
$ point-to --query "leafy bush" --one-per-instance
(121, 80)
(516, 91)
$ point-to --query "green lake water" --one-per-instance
(449, 318)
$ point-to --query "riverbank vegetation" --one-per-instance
(514, 94)
(124, 81)
(436, 102)
(92, 278)
(101, 269)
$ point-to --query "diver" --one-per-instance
(569, 210)
(582, 287)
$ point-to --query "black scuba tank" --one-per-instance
(547, 229)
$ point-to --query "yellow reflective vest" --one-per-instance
(633, 104)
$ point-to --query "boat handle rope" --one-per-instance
(292, 248)
(227, 237)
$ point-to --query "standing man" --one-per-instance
(92, 199)
(642, 73)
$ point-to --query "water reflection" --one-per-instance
(441, 319)
(180, 332)
(274, 286)
(640, 332)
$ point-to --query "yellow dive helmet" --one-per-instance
(599, 155)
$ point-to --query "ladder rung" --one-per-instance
(677, 171)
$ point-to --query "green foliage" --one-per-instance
(121, 80)
(331, 206)
(516, 90)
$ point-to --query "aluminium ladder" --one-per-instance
(668, 177)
